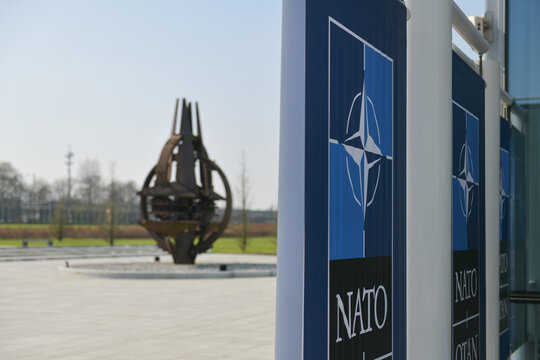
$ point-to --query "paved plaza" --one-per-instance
(76, 252)
(48, 315)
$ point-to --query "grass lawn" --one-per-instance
(256, 245)
(25, 226)
(78, 242)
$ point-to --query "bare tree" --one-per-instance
(59, 219)
(89, 185)
(244, 196)
(11, 182)
(111, 208)
(39, 191)
(58, 189)
(11, 192)
(273, 212)
(126, 194)
(69, 164)
(58, 224)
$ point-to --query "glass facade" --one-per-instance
(523, 83)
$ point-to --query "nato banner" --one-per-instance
(504, 237)
(342, 181)
(363, 65)
(360, 173)
(468, 213)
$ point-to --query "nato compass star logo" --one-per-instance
(364, 148)
(502, 196)
(466, 180)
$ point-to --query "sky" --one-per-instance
(102, 77)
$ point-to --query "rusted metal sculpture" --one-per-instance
(180, 213)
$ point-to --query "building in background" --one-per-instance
(522, 80)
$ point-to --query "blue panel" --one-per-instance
(504, 196)
(465, 170)
(346, 221)
(459, 221)
(379, 213)
(346, 82)
(505, 173)
(473, 146)
(458, 137)
(378, 80)
(505, 134)
(473, 220)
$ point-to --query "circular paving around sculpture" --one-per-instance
(162, 270)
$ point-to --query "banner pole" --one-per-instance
(491, 77)
(291, 219)
(429, 176)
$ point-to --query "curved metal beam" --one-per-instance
(468, 31)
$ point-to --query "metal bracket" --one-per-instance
(484, 24)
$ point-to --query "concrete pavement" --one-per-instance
(77, 252)
(46, 315)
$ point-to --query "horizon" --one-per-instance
(102, 78)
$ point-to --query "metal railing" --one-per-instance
(527, 297)
(465, 28)
(468, 31)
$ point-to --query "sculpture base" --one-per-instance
(212, 266)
